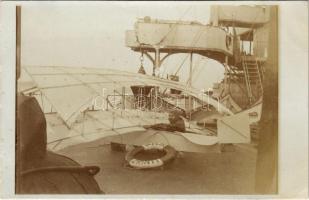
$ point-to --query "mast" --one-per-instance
(18, 72)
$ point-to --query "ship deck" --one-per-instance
(191, 173)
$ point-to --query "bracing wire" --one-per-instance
(173, 27)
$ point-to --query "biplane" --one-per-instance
(85, 104)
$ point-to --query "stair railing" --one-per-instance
(260, 78)
(247, 78)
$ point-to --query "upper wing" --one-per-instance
(71, 90)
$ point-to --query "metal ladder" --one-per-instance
(252, 77)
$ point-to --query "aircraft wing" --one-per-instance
(71, 90)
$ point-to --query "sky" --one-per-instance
(93, 35)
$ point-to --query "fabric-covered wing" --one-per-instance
(71, 90)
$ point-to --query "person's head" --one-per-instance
(171, 117)
(174, 115)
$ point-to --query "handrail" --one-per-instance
(260, 78)
(245, 68)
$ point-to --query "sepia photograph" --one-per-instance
(147, 98)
